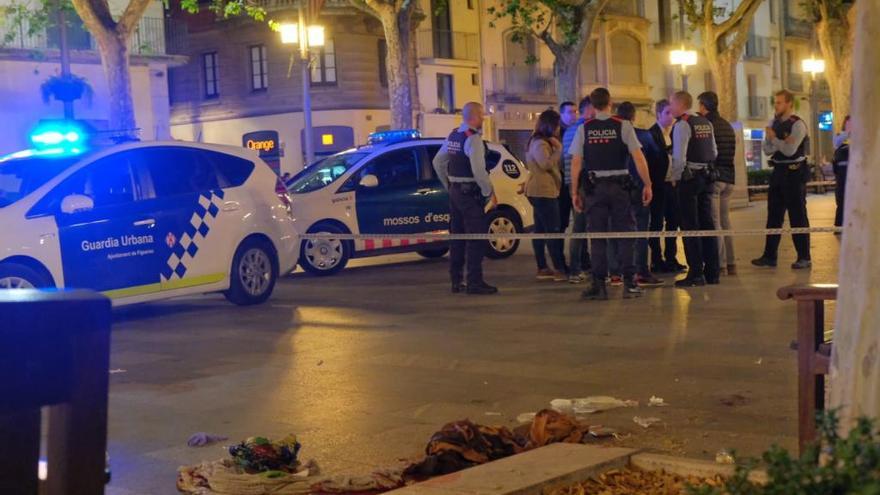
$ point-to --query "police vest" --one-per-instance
(604, 149)
(783, 130)
(841, 155)
(702, 142)
(459, 163)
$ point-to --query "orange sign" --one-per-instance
(263, 146)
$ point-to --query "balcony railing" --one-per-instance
(797, 28)
(274, 5)
(795, 82)
(148, 38)
(631, 8)
(524, 80)
(757, 48)
(758, 107)
(452, 45)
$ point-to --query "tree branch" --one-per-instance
(95, 14)
(745, 10)
(132, 16)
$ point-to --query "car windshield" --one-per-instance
(22, 176)
(324, 172)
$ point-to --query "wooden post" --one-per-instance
(855, 361)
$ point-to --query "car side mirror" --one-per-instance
(369, 180)
(76, 203)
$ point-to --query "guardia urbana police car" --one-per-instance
(142, 221)
(389, 187)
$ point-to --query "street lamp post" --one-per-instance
(305, 36)
(814, 66)
(684, 59)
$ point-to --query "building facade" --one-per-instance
(28, 59)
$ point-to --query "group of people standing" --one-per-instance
(593, 170)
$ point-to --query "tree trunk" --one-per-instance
(836, 39)
(397, 39)
(723, 66)
(565, 69)
(115, 59)
(855, 363)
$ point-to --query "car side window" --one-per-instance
(397, 168)
(428, 172)
(176, 171)
(108, 182)
(232, 171)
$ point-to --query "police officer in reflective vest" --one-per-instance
(841, 164)
(461, 167)
(786, 142)
(693, 154)
(601, 187)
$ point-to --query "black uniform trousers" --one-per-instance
(664, 208)
(695, 201)
(839, 193)
(788, 192)
(608, 202)
(466, 216)
(565, 206)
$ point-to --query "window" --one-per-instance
(774, 62)
(325, 172)
(708, 81)
(324, 65)
(108, 181)
(428, 174)
(626, 64)
(475, 81)
(209, 69)
(772, 6)
(445, 93)
(232, 171)
(176, 171)
(590, 63)
(383, 63)
(398, 168)
(259, 68)
(470, 4)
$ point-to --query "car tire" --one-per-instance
(433, 253)
(503, 221)
(253, 274)
(325, 257)
(16, 276)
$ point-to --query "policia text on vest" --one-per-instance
(599, 154)
(461, 167)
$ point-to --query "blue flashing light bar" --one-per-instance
(395, 136)
(44, 152)
(826, 121)
(55, 135)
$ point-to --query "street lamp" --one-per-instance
(307, 37)
(814, 66)
(684, 59)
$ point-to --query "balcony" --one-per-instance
(759, 107)
(450, 45)
(628, 8)
(797, 28)
(148, 38)
(795, 82)
(525, 80)
(757, 48)
(276, 5)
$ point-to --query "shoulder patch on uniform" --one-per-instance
(617, 118)
(794, 118)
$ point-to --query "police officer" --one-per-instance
(786, 142)
(600, 149)
(693, 154)
(461, 167)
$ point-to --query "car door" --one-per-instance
(432, 196)
(109, 241)
(392, 205)
(184, 187)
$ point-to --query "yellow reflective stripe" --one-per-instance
(169, 285)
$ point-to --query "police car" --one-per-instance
(142, 221)
(389, 187)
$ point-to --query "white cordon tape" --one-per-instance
(809, 184)
(427, 238)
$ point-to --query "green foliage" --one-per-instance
(837, 9)
(32, 17)
(834, 465)
(759, 177)
(533, 17)
(227, 8)
(69, 88)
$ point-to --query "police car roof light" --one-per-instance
(395, 136)
(58, 135)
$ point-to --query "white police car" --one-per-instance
(389, 187)
(143, 221)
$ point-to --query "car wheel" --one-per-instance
(254, 272)
(326, 256)
(433, 253)
(15, 276)
(503, 222)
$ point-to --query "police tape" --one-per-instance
(440, 237)
(820, 183)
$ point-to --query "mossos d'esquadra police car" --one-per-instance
(142, 221)
(389, 187)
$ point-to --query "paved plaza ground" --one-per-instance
(366, 365)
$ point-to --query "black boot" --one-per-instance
(631, 290)
(458, 287)
(482, 288)
(597, 292)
